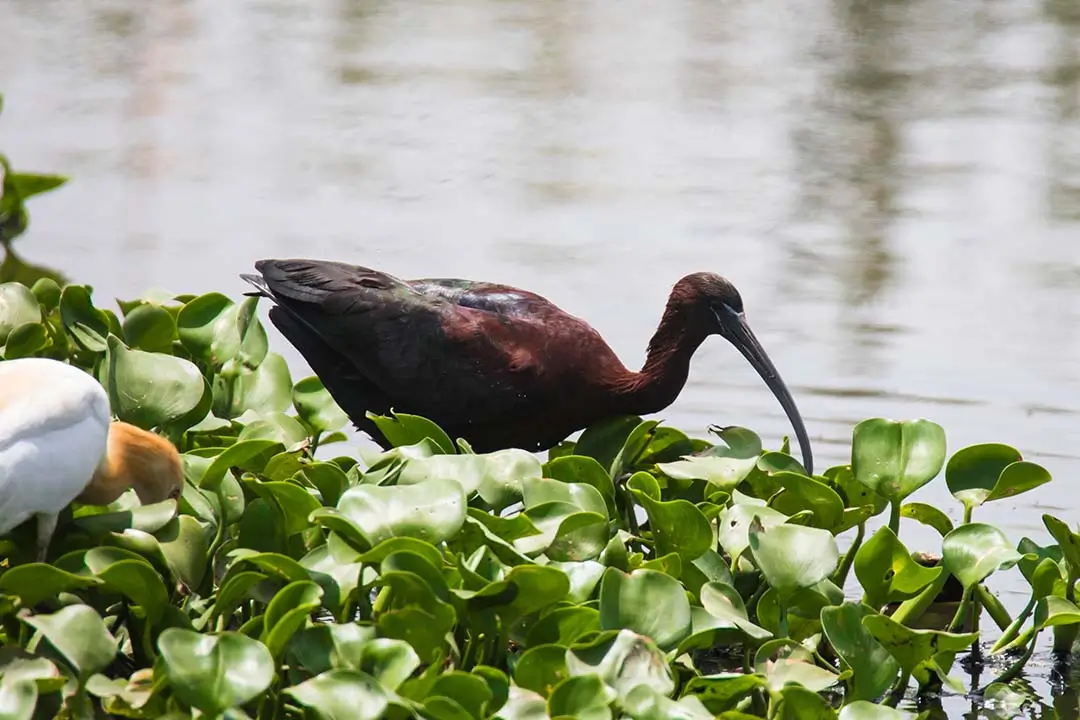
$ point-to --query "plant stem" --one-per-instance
(993, 606)
(894, 518)
(912, 609)
(839, 578)
(783, 620)
(967, 513)
(958, 618)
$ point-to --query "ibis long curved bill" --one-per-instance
(740, 335)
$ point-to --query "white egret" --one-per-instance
(58, 443)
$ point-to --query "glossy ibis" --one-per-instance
(58, 443)
(495, 365)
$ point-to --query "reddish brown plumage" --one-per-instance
(498, 366)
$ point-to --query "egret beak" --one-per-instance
(733, 326)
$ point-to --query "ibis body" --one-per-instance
(496, 365)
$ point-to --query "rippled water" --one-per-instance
(894, 186)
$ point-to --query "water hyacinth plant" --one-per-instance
(637, 572)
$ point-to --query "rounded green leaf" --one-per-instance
(915, 649)
(402, 429)
(583, 469)
(316, 406)
(647, 602)
(266, 389)
(25, 340)
(294, 502)
(342, 695)
(207, 329)
(132, 577)
(541, 668)
(184, 544)
(79, 634)
(577, 696)
(805, 493)
(87, 325)
(150, 327)
(215, 672)
(34, 582)
(928, 515)
(624, 660)
(288, 612)
(867, 710)
(873, 667)
(894, 459)
(1018, 478)
(887, 572)
(536, 491)
(678, 526)
(245, 455)
(792, 557)
(972, 552)
(150, 389)
(563, 626)
(733, 525)
(1052, 610)
(17, 699)
(431, 511)
(18, 306)
(973, 471)
(47, 292)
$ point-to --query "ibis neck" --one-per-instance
(667, 364)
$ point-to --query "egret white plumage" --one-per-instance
(58, 443)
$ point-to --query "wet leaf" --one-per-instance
(34, 582)
(647, 602)
(150, 389)
(79, 635)
(793, 557)
(402, 429)
(894, 459)
(873, 667)
(215, 672)
(972, 552)
(887, 572)
(316, 406)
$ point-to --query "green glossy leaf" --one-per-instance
(25, 340)
(624, 660)
(148, 518)
(266, 389)
(541, 668)
(1052, 610)
(133, 577)
(245, 455)
(805, 493)
(150, 389)
(466, 689)
(563, 626)
(294, 502)
(18, 306)
(894, 459)
(207, 328)
(972, 552)
(184, 544)
(343, 695)
(928, 515)
(17, 699)
(79, 634)
(47, 292)
(603, 440)
(678, 526)
(151, 328)
(522, 704)
(865, 710)
(793, 557)
(582, 469)
(581, 697)
(733, 525)
(215, 672)
(854, 493)
(723, 472)
(431, 511)
(87, 326)
(648, 602)
(316, 406)
(287, 613)
(536, 491)
(972, 472)
(1018, 478)
(34, 582)
(722, 691)
(887, 572)
(723, 603)
(873, 667)
(26, 185)
(916, 650)
(402, 429)
(800, 703)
